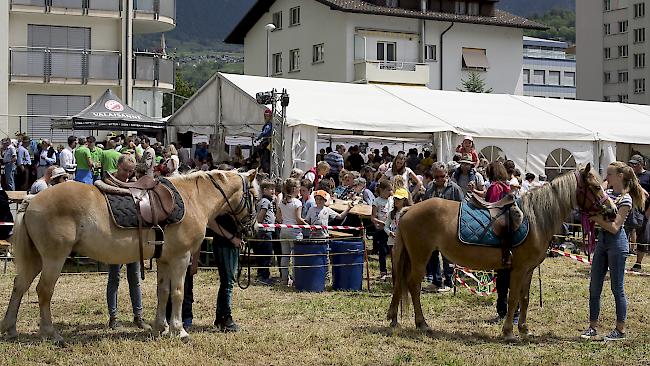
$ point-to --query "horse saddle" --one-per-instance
(490, 224)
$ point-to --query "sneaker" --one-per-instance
(383, 277)
(229, 326)
(113, 323)
(444, 289)
(187, 324)
(430, 289)
(590, 333)
(140, 323)
(615, 335)
(515, 320)
(636, 267)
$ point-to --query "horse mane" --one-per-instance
(548, 206)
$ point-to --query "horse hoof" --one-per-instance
(510, 338)
(424, 328)
(10, 334)
(394, 323)
(60, 343)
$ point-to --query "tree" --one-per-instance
(474, 84)
(184, 90)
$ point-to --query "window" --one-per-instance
(539, 77)
(58, 37)
(639, 86)
(608, 53)
(569, 78)
(553, 78)
(639, 60)
(526, 76)
(277, 63)
(461, 7)
(52, 105)
(431, 52)
(475, 59)
(622, 26)
(492, 154)
(473, 8)
(622, 76)
(639, 35)
(294, 60)
(277, 20)
(607, 4)
(607, 77)
(318, 53)
(622, 51)
(294, 16)
(623, 98)
(607, 29)
(386, 51)
(639, 10)
(558, 162)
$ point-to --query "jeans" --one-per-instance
(132, 275)
(10, 175)
(265, 249)
(188, 299)
(433, 268)
(380, 244)
(611, 252)
(227, 257)
(287, 250)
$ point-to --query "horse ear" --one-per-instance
(587, 169)
(251, 175)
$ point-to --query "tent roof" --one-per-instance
(407, 109)
(109, 113)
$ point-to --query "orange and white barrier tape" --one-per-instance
(586, 261)
(473, 290)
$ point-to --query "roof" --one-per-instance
(532, 41)
(501, 18)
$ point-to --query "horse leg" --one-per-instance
(49, 276)
(414, 286)
(514, 294)
(525, 297)
(177, 271)
(160, 323)
(27, 271)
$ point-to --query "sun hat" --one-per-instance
(401, 194)
(321, 193)
(636, 159)
(466, 159)
(58, 172)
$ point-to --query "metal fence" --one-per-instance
(111, 5)
(166, 8)
(154, 67)
(64, 63)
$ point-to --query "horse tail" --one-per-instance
(401, 268)
(23, 247)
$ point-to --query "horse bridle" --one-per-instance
(587, 193)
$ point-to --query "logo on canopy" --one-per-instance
(114, 105)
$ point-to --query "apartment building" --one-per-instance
(61, 55)
(432, 42)
(548, 71)
(612, 49)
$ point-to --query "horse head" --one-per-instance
(591, 196)
(240, 201)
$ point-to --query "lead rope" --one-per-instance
(247, 257)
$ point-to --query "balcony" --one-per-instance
(391, 72)
(64, 66)
(154, 16)
(152, 70)
(106, 8)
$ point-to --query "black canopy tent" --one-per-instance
(108, 113)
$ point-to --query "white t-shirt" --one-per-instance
(384, 206)
(288, 211)
(406, 175)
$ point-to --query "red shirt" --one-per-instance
(497, 191)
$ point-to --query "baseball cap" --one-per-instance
(321, 193)
(468, 137)
(636, 159)
(401, 194)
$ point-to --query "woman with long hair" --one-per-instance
(612, 249)
(398, 168)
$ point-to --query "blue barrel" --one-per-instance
(347, 265)
(310, 279)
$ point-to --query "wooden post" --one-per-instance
(365, 255)
(539, 276)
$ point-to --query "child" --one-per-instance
(265, 215)
(307, 201)
(290, 214)
(360, 190)
(467, 147)
(380, 209)
(320, 215)
(400, 200)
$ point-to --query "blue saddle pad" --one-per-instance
(472, 224)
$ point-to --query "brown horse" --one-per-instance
(433, 224)
(74, 217)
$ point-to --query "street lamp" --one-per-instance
(269, 28)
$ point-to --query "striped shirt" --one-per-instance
(620, 201)
(335, 160)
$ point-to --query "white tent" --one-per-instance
(540, 135)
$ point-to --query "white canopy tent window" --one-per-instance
(492, 154)
(558, 162)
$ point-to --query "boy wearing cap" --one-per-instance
(467, 178)
(320, 215)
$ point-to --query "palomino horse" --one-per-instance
(433, 224)
(74, 217)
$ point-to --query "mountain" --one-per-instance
(527, 7)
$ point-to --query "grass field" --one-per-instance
(282, 327)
